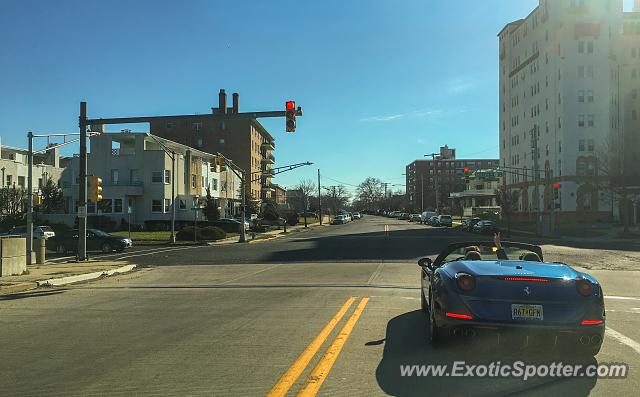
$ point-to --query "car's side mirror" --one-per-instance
(425, 262)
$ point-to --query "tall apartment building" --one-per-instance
(442, 176)
(14, 167)
(245, 141)
(569, 80)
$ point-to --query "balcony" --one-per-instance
(268, 145)
(268, 159)
(267, 188)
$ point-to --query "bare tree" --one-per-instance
(370, 193)
(13, 201)
(336, 197)
(306, 188)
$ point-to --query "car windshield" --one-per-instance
(100, 233)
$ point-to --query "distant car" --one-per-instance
(469, 223)
(97, 240)
(445, 220)
(404, 216)
(415, 218)
(339, 220)
(39, 232)
(484, 227)
(433, 221)
(426, 216)
(235, 222)
(269, 222)
(356, 215)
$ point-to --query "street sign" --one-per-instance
(82, 211)
(489, 175)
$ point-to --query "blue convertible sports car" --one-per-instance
(512, 295)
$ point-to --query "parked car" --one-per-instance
(268, 222)
(404, 216)
(97, 240)
(469, 223)
(484, 227)
(445, 220)
(339, 220)
(415, 218)
(39, 232)
(433, 221)
(356, 215)
(235, 222)
(427, 215)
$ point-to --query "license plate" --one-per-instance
(526, 312)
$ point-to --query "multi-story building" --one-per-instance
(569, 78)
(245, 141)
(480, 194)
(136, 170)
(439, 177)
(15, 170)
(280, 195)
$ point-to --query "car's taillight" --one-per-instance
(592, 322)
(466, 282)
(584, 287)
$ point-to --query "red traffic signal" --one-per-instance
(466, 170)
(291, 116)
(556, 185)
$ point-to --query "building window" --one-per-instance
(197, 126)
(167, 205)
(590, 120)
(193, 181)
(115, 177)
(591, 145)
(182, 204)
(581, 96)
(581, 145)
(117, 206)
(581, 120)
(214, 183)
(156, 176)
(199, 142)
(105, 205)
(21, 181)
(221, 141)
(590, 97)
(156, 205)
(167, 176)
(590, 47)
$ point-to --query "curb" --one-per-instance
(16, 288)
(56, 282)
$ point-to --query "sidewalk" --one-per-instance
(57, 274)
(273, 234)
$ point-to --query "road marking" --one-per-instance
(623, 339)
(622, 298)
(386, 230)
(250, 274)
(161, 252)
(321, 370)
(376, 273)
(293, 373)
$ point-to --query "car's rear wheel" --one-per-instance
(106, 248)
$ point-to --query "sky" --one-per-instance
(381, 82)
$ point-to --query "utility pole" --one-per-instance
(30, 201)
(82, 205)
(173, 197)
(536, 175)
(319, 199)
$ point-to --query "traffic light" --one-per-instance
(466, 174)
(290, 108)
(556, 191)
(95, 189)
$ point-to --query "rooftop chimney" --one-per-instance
(236, 101)
(222, 102)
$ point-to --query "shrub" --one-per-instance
(206, 233)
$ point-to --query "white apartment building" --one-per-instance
(563, 105)
(14, 168)
(137, 174)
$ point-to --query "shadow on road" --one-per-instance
(32, 294)
(406, 344)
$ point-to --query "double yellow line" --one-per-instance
(321, 370)
(386, 230)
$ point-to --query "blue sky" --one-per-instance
(381, 82)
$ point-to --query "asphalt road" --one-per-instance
(231, 320)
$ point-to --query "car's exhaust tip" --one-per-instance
(596, 339)
(457, 332)
(469, 333)
(584, 339)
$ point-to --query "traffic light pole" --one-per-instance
(82, 205)
(319, 199)
(30, 201)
